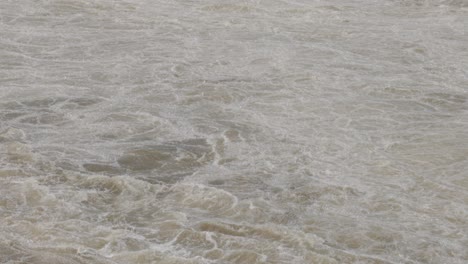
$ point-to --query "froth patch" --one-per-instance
(202, 198)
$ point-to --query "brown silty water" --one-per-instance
(233, 131)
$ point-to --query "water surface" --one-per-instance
(293, 131)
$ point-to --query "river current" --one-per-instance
(253, 131)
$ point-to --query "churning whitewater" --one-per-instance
(222, 131)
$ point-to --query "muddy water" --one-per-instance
(250, 131)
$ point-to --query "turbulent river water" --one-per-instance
(221, 131)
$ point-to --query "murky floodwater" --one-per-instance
(293, 131)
